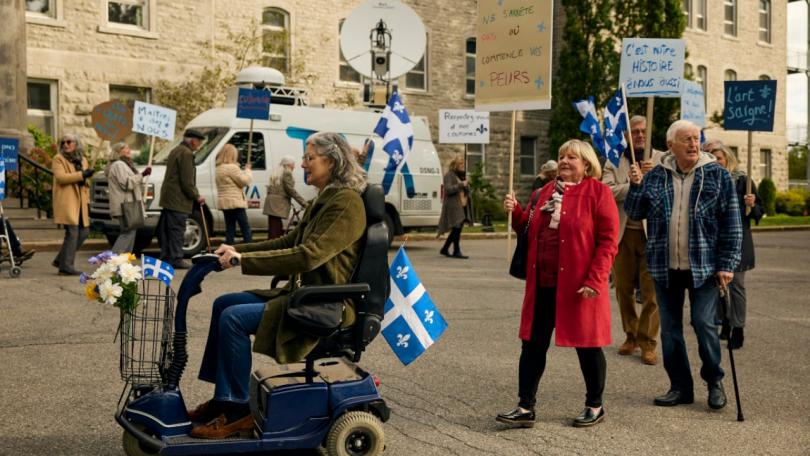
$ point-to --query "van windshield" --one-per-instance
(213, 135)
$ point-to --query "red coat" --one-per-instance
(589, 233)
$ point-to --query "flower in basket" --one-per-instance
(115, 280)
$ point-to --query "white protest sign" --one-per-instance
(153, 120)
(692, 103)
(463, 126)
(652, 67)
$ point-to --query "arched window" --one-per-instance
(765, 21)
(702, 78)
(687, 70)
(764, 77)
(470, 66)
(730, 75)
(276, 39)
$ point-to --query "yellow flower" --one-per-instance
(90, 291)
(132, 257)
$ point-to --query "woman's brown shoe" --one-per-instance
(219, 428)
(203, 413)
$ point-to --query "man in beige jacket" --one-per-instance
(630, 266)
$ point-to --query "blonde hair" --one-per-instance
(731, 160)
(228, 154)
(455, 163)
(584, 151)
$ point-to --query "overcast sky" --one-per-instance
(797, 83)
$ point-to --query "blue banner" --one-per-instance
(253, 104)
(10, 151)
(749, 105)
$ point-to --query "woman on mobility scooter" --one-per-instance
(323, 249)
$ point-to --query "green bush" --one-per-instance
(791, 202)
(484, 198)
(767, 191)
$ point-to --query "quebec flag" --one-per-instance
(616, 121)
(2, 177)
(396, 130)
(152, 267)
(412, 323)
(590, 123)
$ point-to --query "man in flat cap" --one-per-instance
(177, 197)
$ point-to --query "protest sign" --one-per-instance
(513, 55)
(112, 120)
(253, 104)
(463, 126)
(652, 67)
(154, 120)
(749, 105)
(9, 152)
(692, 103)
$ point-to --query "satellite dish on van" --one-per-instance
(383, 39)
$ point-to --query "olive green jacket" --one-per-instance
(322, 249)
(179, 189)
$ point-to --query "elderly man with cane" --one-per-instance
(694, 236)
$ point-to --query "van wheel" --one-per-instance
(389, 222)
(356, 434)
(193, 239)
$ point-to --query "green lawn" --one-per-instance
(784, 220)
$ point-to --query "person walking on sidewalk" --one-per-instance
(641, 330)
(125, 184)
(455, 207)
(71, 199)
(230, 195)
(280, 191)
(694, 236)
(177, 197)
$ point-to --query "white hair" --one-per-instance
(280, 169)
(678, 126)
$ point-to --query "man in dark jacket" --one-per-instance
(177, 196)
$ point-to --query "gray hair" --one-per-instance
(280, 169)
(637, 119)
(678, 126)
(346, 173)
(76, 140)
(116, 149)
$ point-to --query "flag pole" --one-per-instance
(250, 144)
(748, 167)
(148, 165)
(511, 189)
(627, 121)
(648, 142)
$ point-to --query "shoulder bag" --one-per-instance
(131, 215)
(517, 268)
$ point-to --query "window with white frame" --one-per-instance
(42, 106)
(129, 13)
(730, 17)
(702, 77)
(417, 77)
(765, 21)
(764, 163)
(528, 155)
(276, 39)
(730, 75)
(44, 8)
(687, 70)
(687, 12)
(469, 76)
(346, 72)
(700, 14)
(129, 95)
(475, 155)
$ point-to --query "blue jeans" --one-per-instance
(232, 217)
(703, 308)
(227, 357)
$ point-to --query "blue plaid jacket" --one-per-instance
(715, 231)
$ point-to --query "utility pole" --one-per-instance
(13, 72)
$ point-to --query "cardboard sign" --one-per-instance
(749, 105)
(513, 55)
(154, 120)
(693, 103)
(652, 67)
(253, 104)
(463, 126)
(9, 152)
(112, 120)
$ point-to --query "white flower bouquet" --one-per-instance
(114, 282)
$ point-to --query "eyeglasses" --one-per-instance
(638, 131)
(689, 140)
(66, 141)
(308, 158)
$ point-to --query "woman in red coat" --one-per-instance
(573, 237)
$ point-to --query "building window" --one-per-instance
(730, 75)
(417, 77)
(42, 105)
(129, 95)
(46, 8)
(700, 14)
(528, 155)
(687, 12)
(730, 17)
(765, 21)
(276, 39)
(346, 72)
(701, 79)
(687, 70)
(133, 13)
(475, 155)
(764, 163)
(470, 65)
(764, 77)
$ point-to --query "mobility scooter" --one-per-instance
(327, 401)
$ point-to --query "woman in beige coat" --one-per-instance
(70, 200)
(125, 184)
(230, 196)
(279, 192)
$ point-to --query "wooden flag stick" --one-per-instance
(627, 121)
(511, 189)
(148, 165)
(748, 166)
(250, 144)
(648, 142)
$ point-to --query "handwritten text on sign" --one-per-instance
(463, 126)
(112, 120)
(692, 103)
(652, 67)
(154, 120)
(513, 55)
(253, 104)
(749, 105)
(9, 152)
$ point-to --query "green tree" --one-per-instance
(797, 163)
(767, 191)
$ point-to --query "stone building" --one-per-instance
(84, 52)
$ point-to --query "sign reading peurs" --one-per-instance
(652, 67)
(253, 104)
(513, 55)
(154, 120)
(463, 126)
(112, 120)
(749, 105)
(692, 103)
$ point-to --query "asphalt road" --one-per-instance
(59, 381)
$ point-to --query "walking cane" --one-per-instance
(205, 229)
(726, 295)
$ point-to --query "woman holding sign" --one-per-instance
(230, 197)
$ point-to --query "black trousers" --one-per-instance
(533, 356)
(232, 217)
(171, 228)
(453, 238)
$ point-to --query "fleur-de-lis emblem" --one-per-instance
(402, 340)
(481, 129)
(429, 316)
(398, 156)
(402, 272)
(398, 107)
(764, 92)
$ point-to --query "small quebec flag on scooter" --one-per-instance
(412, 323)
(152, 267)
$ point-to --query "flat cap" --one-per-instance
(192, 133)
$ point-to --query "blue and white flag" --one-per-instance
(2, 177)
(590, 123)
(152, 267)
(412, 323)
(616, 121)
(396, 130)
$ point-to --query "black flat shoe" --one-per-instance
(517, 418)
(674, 397)
(717, 396)
(69, 272)
(587, 418)
(459, 256)
(444, 252)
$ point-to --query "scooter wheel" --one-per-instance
(354, 434)
(15, 271)
(132, 447)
